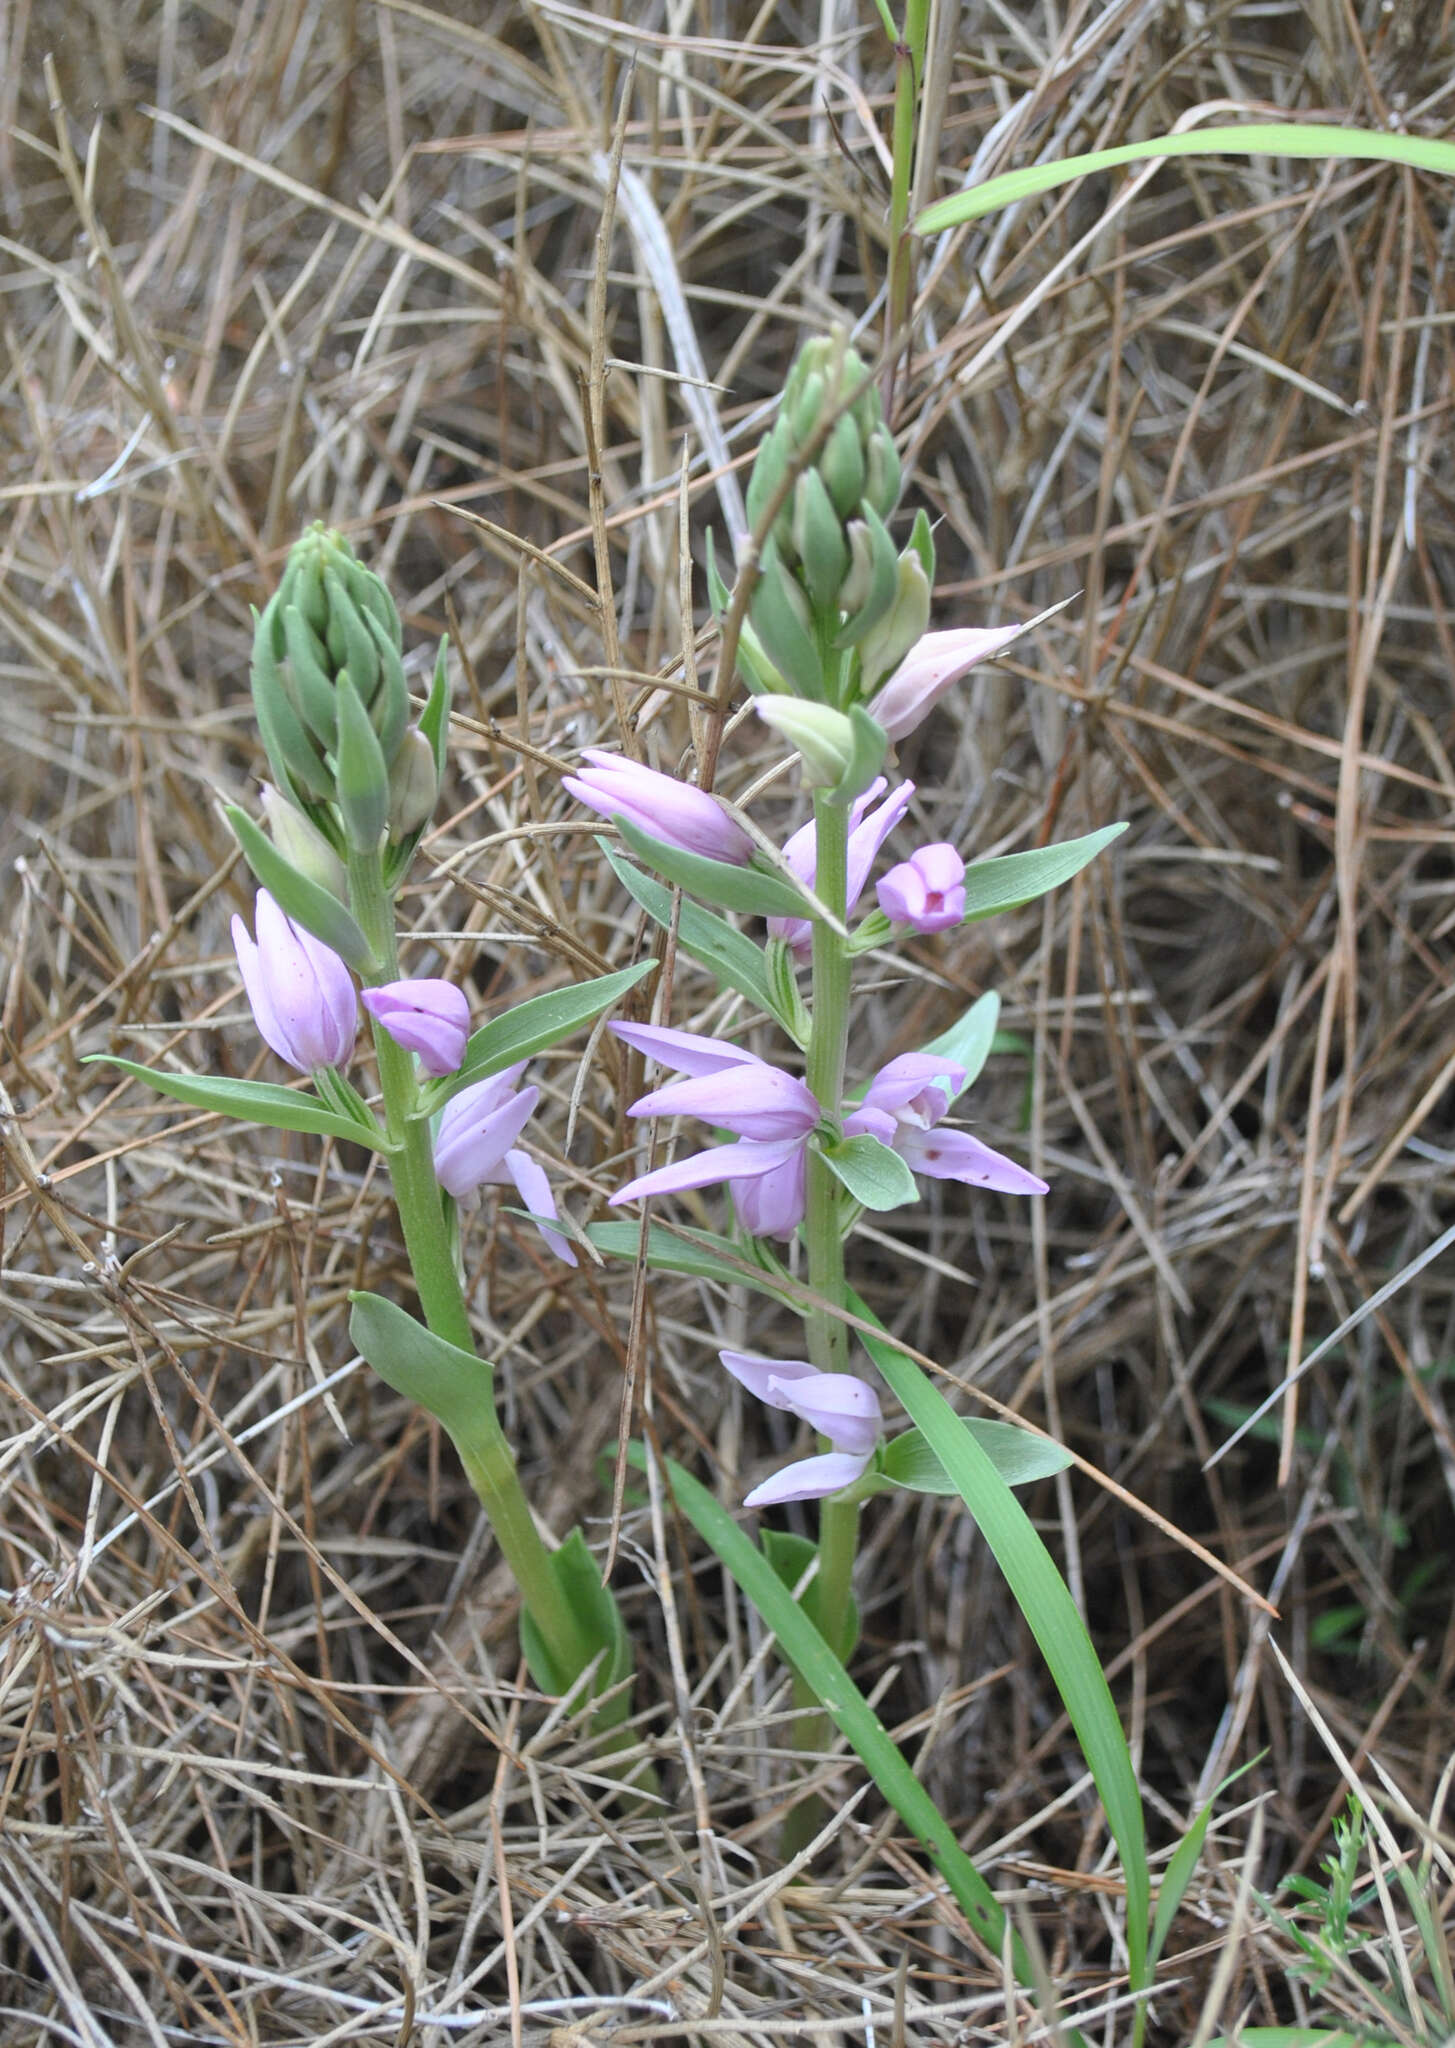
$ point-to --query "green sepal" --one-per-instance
(530, 1027)
(922, 540)
(311, 684)
(581, 1592)
(304, 901)
(350, 642)
(362, 778)
(1016, 878)
(371, 593)
(791, 1556)
(1018, 1455)
(873, 1173)
(434, 720)
(871, 744)
(871, 931)
(780, 616)
(883, 581)
(770, 466)
(694, 1254)
(732, 959)
(818, 535)
(389, 710)
(883, 472)
(970, 1042)
(782, 971)
(842, 465)
(256, 1102)
(758, 673)
(297, 766)
(748, 890)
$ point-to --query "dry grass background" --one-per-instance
(269, 1771)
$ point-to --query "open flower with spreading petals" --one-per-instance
(934, 664)
(770, 1113)
(927, 891)
(431, 1018)
(868, 830)
(838, 1405)
(475, 1146)
(902, 1107)
(301, 993)
(690, 819)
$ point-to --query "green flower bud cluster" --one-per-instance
(836, 606)
(333, 705)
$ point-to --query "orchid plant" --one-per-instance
(835, 649)
(355, 781)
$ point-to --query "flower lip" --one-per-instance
(955, 1155)
(915, 1088)
(429, 1017)
(300, 991)
(691, 819)
(840, 1406)
(927, 891)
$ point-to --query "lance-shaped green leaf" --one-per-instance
(729, 956)
(1051, 1614)
(1017, 878)
(970, 1042)
(1181, 1865)
(299, 898)
(434, 720)
(842, 1700)
(873, 1173)
(256, 1102)
(532, 1026)
(452, 1385)
(749, 891)
(1272, 138)
(1018, 1455)
(698, 1254)
(362, 778)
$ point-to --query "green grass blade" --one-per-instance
(811, 1656)
(1041, 1594)
(1272, 138)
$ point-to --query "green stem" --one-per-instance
(491, 1466)
(908, 84)
(829, 1600)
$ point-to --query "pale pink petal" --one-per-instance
(955, 1155)
(839, 1406)
(753, 1102)
(748, 1159)
(687, 1051)
(751, 1370)
(535, 1191)
(808, 1479)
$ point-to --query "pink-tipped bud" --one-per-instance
(301, 994)
(431, 1018)
(688, 818)
(927, 891)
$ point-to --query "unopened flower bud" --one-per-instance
(672, 811)
(302, 998)
(302, 845)
(823, 736)
(818, 539)
(414, 785)
(884, 647)
(429, 1017)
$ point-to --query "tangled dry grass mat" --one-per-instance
(269, 1771)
